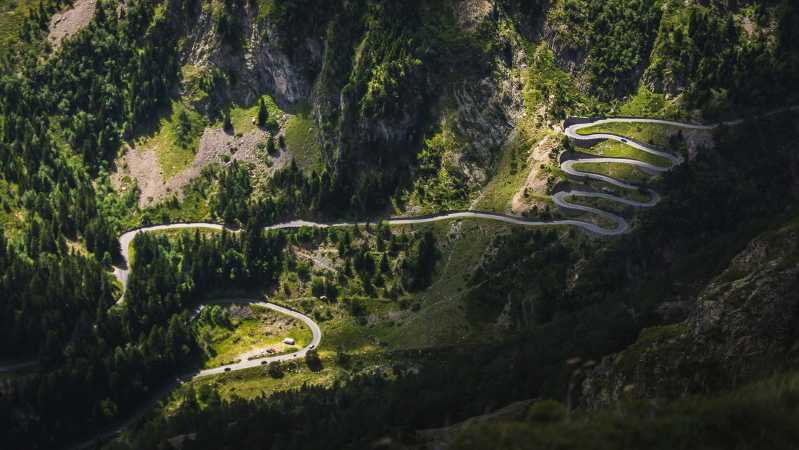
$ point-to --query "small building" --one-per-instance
(289, 341)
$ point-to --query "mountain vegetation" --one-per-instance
(463, 333)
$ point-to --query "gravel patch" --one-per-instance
(216, 146)
(535, 184)
(71, 21)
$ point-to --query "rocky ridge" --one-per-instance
(744, 326)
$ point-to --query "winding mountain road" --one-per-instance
(560, 199)
(244, 361)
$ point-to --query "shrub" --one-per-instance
(275, 369)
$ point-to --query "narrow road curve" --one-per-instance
(246, 363)
(153, 400)
(560, 199)
(122, 272)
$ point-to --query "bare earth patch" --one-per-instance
(319, 258)
(216, 146)
(536, 184)
(71, 21)
(470, 13)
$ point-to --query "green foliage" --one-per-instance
(511, 174)
(548, 84)
(176, 140)
(64, 117)
(388, 71)
(205, 88)
(664, 136)
(22, 23)
(702, 49)
(244, 118)
(753, 417)
(186, 127)
(313, 360)
(234, 186)
(275, 369)
(646, 103)
(11, 19)
(147, 78)
(183, 128)
(264, 9)
(712, 179)
(303, 142)
(227, 123)
(541, 258)
(296, 19)
(547, 411)
(263, 113)
(615, 37)
(224, 337)
(404, 54)
(436, 387)
(421, 262)
(227, 16)
(441, 185)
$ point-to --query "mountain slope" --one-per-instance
(256, 112)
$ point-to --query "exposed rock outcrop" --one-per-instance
(744, 327)
(261, 65)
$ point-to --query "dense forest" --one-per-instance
(57, 298)
(619, 294)
(390, 88)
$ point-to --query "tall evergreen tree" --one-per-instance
(263, 113)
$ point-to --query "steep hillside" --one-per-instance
(373, 107)
(689, 384)
(759, 415)
(742, 328)
(439, 189)
(364, 95)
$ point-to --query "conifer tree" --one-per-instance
(263, 113)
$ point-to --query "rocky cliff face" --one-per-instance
(745, 325)
(261, 64)
(333, 67)
(486, 111)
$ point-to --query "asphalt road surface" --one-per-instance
(560, 199)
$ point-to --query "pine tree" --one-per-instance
(227, 124)
(384, 265)
(263, 113)
(183, 128)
